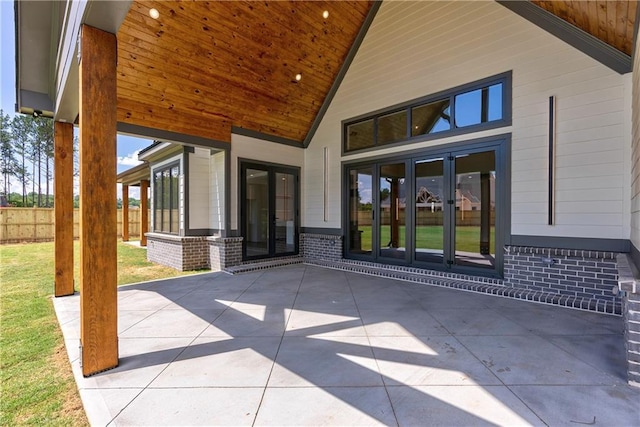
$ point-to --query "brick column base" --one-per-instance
(632, 336)
(574, 274)
(224, 252)
(628, 285)
(321, 246)
(180, 252)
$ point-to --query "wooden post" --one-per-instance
(63, 207)
(144, 211)
(98, 224)
(125, 213)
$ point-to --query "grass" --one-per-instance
(467, 238)
(36, 382)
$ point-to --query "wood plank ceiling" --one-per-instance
(610, 21)
(204, 66)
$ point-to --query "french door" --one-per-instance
(269, 210)
(438, 210)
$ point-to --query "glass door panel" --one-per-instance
(285, 213)
(475, 201)
(429, 210)
(360, 210)
(391, 211)
(257, 212)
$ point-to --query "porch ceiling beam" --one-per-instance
(98, 251)
(168, 136)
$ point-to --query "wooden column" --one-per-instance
(144, 211)
(63, 207)
(125, 213)
(98, 225)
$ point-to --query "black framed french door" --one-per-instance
(440, 209)
(269, 210)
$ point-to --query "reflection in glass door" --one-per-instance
(434, 210)
(269, 210)
(429, 210)
(285, 213)
(257, 212)
(475, 201)
(391, 211)
(360, 210)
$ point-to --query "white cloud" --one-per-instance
(130, 160)
(134, 192)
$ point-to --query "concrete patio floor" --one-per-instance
(303, 345)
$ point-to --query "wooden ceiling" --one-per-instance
(610, 21)
(204, 66)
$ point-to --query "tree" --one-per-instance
(44, 134)
(22, 131)
(7, 153)
(34, 158)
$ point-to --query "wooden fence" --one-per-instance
(37, 224)
(426, 217)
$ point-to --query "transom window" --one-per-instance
(165, 199)
(469, 108)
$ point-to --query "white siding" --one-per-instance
(247, 148)
(635, 157)
(415, 49)
(217, 202)
(199, 188)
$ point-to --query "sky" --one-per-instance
(128, 146)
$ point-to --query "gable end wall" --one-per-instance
(414, 49)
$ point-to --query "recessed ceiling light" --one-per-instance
(153, 12)
(325, 14)
(298, 77)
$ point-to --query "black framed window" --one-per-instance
(166, 200)
(480, 105)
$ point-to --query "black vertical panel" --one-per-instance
(552, 101)
(484, 110)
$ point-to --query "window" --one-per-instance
(360, 135)
(480, 105)
(166, 200)
(392, 127)
(431, 118)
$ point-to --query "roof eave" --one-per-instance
(51, 88)
(574, 36)
(134, 175)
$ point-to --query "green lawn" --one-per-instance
(36, 383)
(467, 238)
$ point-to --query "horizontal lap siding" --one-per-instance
(420, 48)
(199, 189)
(635, 171)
